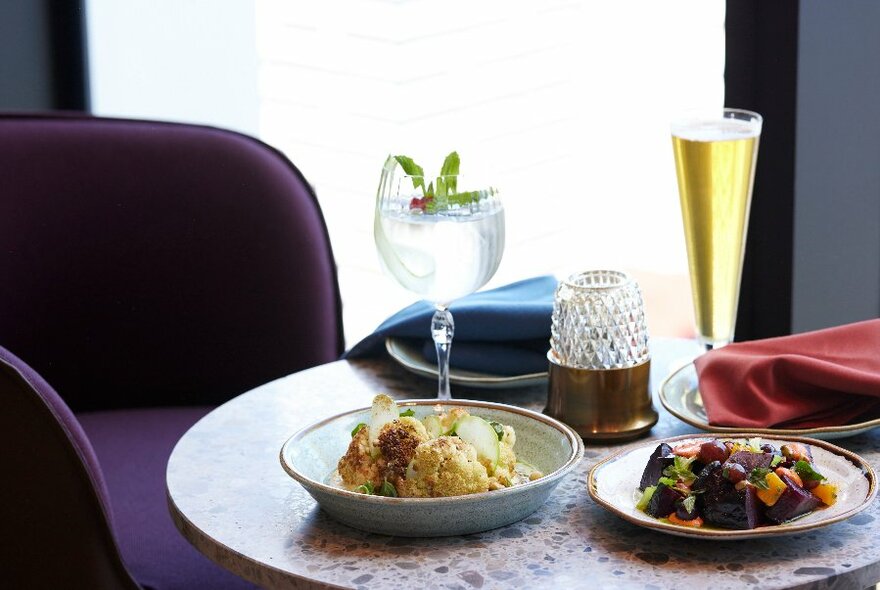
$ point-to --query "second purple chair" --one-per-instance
(150, 271)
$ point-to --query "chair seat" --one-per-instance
(133, 447)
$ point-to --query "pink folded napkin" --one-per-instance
(828, 377)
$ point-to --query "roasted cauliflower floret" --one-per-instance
(358, 465)
(509, 436)
(398, 441)
(448, 419)
(505, 470)
(444, 466)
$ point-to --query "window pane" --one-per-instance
(562, 104)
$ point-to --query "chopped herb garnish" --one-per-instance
(365, 488)
(777, 459)
(646, 497)
(680, 469)
(357, 429)
(807, 472)
(387, 490)
(689, 503)
(409, 412)
(758, 478)
(498, 428)
(667, 481)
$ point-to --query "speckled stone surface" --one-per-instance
(230, 497)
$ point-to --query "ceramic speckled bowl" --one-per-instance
(310, 457)
(613, 483)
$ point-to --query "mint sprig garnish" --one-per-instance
(414, 170)
(441, 192)
(450, 169)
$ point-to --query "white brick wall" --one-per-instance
(562, 104)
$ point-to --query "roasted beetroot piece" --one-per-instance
(682, 512)
(663, 501)
(734, 472)
(713, 450)
(659, 460)
(750, 460)
(795, 501)
(733, 509)
(721, 504)
(704, 475)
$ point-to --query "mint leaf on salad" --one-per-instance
(807, 472)
(680, 469)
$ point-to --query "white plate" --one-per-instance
(410, 356)
(614, 481)
(680, 395)
(311, 455)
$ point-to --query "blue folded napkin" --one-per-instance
(505, 331)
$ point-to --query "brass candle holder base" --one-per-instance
(602, 404)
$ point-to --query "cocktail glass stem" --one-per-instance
(442, 329)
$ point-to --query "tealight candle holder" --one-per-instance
(599, 360)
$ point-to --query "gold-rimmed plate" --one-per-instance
(613, 483)
(680, 395)
(409, 354)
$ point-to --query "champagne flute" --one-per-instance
(715, 157)
(437, 242)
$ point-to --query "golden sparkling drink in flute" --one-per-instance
(715, 165)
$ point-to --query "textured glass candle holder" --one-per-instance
(599, 361)
(599, 322)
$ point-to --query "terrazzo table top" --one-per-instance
(230, 498)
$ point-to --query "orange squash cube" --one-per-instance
(775, 487)
(826, 492)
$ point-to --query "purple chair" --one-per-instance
(150, 271)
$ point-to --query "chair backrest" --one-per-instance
(53, 502)
(146, 263)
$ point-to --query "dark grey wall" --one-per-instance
(25, 60)
(837, 166)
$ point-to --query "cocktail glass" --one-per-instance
(439, 242)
